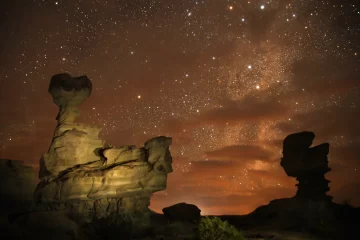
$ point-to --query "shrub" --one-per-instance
(213, 228)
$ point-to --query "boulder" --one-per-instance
(182, 212)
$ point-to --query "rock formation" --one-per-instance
(17, 184)
(182, 212)
(73, 143)
(308, 165)
(310, 210)
(80, 174)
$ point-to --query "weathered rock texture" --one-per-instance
(308, 165)
(80, 174)
(73, 143)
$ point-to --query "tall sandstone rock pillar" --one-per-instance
(73, 143)
(80, 175)
(308, 165)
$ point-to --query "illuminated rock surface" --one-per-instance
(80, 173)
(73, 143)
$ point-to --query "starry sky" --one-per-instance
(228, 80)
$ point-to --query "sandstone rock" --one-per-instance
(98, 179)
(159, 159)
(72, 143)
(182, 212)
(68, 93)
(79, 174)
(123, 154)
(308, 165)
(71, 147)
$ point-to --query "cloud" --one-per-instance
(209, 172)
(204, 171)
(249, 109)
(276, 175)
(202, 185)
(243, 153)
(229, 112)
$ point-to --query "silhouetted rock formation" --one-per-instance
(310, 211)
(80, 174)
(182, 212)
(308, 165)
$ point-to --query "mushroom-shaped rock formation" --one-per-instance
(73, 143)
(79, 173)
(308, 165)
(68, 93)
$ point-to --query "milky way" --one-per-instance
(228, 80)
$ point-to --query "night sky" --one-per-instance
(227, 80)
